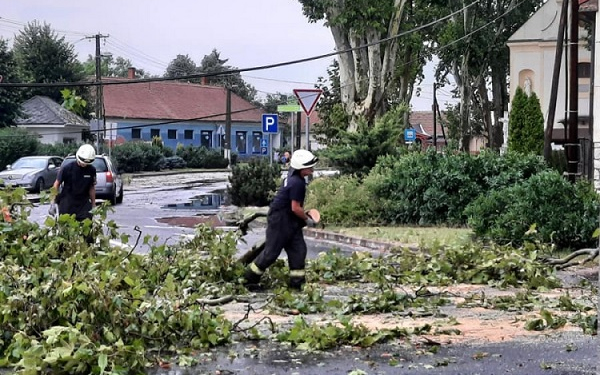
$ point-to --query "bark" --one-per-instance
(569, 260)
(365, 73)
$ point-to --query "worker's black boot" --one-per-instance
(252, 280)
(296, 282)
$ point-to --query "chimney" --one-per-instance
(131, 72)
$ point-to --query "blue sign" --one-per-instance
(410, 135)
(264, 142)
(269, 123)
(264, 150)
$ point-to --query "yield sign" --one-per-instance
(308, 98)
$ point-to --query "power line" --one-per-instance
(236, 71)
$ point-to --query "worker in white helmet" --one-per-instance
(78, 180)
(285, 221)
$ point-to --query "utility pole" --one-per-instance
(227, 143)
(434, 118)
(99, 98)
(555, 76)
(573, 149)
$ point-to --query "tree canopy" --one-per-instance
(10, 98)
(370, 75)
(44, 57)
(112, 67)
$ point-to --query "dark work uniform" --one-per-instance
(284, 231)
(74, 198)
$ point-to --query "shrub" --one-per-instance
(254, 183)
(341, 200)
(58, 149)
(16, 143)
(201, 157)
(173, 162)
(137, 156)
(563, 214)
(357, 152)
(431, 188)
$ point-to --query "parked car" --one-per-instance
(109, 184)
(34, 173)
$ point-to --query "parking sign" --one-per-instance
(269, 123)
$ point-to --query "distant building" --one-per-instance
(182, 113)
(52, 122)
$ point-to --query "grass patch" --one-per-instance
(410, 235)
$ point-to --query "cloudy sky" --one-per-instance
(151, 33)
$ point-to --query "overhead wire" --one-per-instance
(235, 71)
(281, 64)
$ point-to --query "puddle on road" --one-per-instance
(203, 202)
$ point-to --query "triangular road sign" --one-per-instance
(308, 98)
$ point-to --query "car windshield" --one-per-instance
(98, 163)
(34, 163)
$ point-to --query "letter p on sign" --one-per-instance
(269, 123)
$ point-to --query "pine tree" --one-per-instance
(517, 120)
(534, 130)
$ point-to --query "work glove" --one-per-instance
(52, 209)
(310, 222)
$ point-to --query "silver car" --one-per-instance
(109, 184)
(34, 173)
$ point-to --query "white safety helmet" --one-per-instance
(302, 159)
(86, 154)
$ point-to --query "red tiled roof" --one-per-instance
(425, 119)
(175, 101)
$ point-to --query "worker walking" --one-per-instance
(78, 182)
(285, 220)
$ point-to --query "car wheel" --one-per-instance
(119, 199)
(39, 185)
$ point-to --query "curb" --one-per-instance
(356, 241)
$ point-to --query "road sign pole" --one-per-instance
(292, 127)
(270, 149)
(307, 133)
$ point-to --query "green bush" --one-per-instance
(16, 143)
(357, 152)
(428, 188)
(137, 156)
(254, 183)
(341, 200)
(58, 149)
(201, 157)
(562, 213)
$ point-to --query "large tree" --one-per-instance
(472, 49)
(370, 76)
(44, 57)
(10, 98)
(182, 66)
(112, 67)
(213, 63)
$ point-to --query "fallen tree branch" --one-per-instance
(568, 261)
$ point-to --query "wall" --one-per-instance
(193, 134)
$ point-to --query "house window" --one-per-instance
(222, 140)
(154, 133)
(584, 70)
(136, 133)
(172, 134)
(240, 142)
(256, 138)
(188, 134)
(206, 138)
(68, 140)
